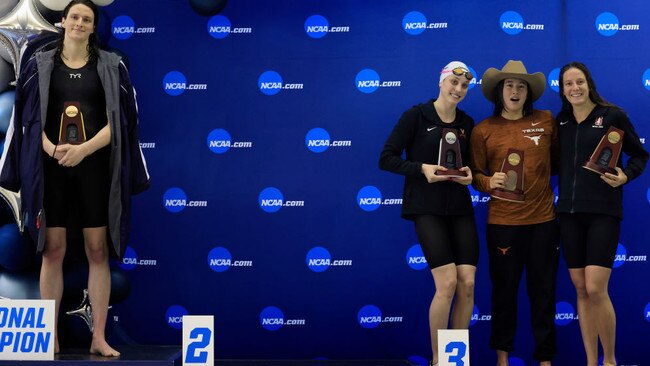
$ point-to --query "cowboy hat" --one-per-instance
(512, 70)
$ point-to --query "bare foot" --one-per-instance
(103, 349)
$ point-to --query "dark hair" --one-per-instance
(593, 93)
(93, 40)
(499, 104)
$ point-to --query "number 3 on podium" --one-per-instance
(453, 347)
(198, 345)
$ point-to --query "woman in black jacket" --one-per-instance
(590, 204)
(439, 205)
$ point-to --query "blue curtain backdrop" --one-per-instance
(262, 127)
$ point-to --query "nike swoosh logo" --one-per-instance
(563, 123)
(535, 124)
(431, 129)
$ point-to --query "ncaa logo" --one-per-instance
(271, 318)
(646, 80)
(122, 27)
(646, 312)
(476, 196)
(563, 313)
(129, 260)
(511, 22)
(607, 24)
(174, 83)
(271, 199)
(219, 27)
(219, 259)
(415, 258)
(219, 141)
(621, 255)
(270, 82)
(475, 315)
(174, 316)
(318, 259)
(367, 81)
(317, 140)
(554, 79)
(369, 198)
(473, 82)
(316, 26)
(414, 23)
(175, 200)
(369, 316)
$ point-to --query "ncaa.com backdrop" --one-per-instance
(262, 128)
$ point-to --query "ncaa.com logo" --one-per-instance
(414, 23)
(130, 260)
(474, 81)
(367, 81)
(370, 317)
(317, 26)
(270, 83)
(553, 79)
(220, 260)
(369, 198)
(319, 260)
(219, 141)
(512, 23)
(645, 79)
(123, 27)
(272, 200)
(477, 197)
(175, 83)
(415, 258)
(607, 25)
(175, 200)
(318, 140)
(564, 313)
(477, 317)
(622, 257)
(272, 318)
(174, 316)
(219, 27)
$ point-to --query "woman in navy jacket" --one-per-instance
(590, 206)
(58, 180)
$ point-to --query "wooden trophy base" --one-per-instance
(451, 173)
(511, 196)
(598, 169)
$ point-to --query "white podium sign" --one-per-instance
(27, 330)
(453, 347)
(198, 340)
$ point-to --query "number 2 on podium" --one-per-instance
(205, 334)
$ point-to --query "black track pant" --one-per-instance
(511, 249)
